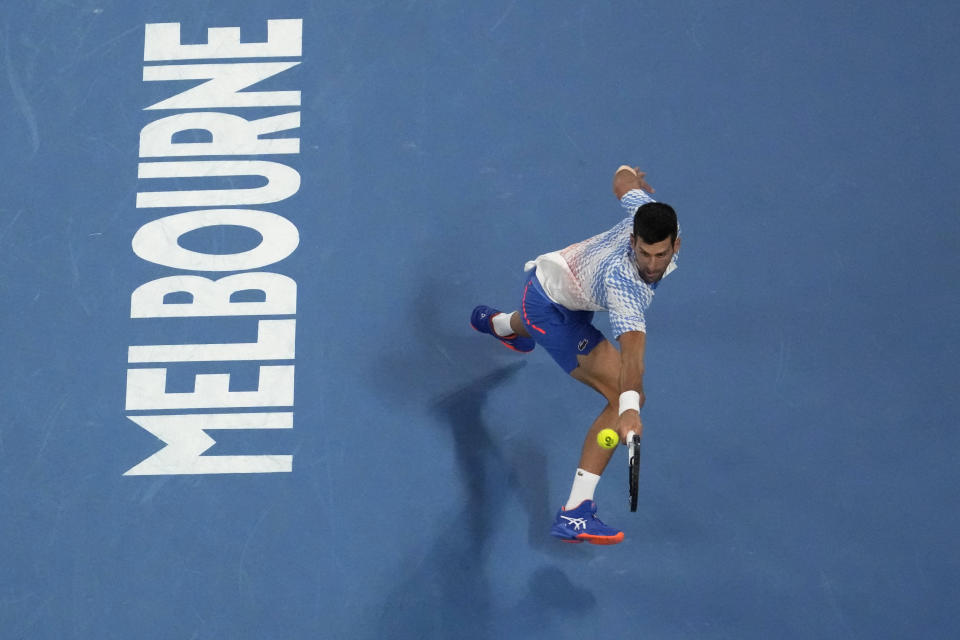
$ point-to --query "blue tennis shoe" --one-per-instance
(482, 320)
(582, 525)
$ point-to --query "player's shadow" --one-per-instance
(449, 595)
(488, 476)
(437, 359)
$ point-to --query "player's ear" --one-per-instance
(676, 245)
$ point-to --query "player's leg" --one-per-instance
(600, 370)
(501, 326)
(516, 324)
(508, 325)
(582, 351)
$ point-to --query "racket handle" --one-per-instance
(630, 451)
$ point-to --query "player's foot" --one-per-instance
(482, 320)
(582, 525)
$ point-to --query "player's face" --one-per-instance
(653, 259)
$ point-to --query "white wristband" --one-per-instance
(629, 400)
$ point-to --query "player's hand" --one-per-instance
(641, 180)
(626, 178)
(629, 421)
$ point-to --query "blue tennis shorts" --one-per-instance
(564, 333)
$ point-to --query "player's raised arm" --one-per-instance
(626, 178)
(633, 346)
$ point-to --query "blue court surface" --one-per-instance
(241, 395)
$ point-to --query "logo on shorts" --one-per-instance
(582, 345)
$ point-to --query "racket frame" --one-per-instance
(633, 467)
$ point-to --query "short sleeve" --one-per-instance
(627, 301)
(634, 199)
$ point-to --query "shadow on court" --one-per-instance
(453, 592)
(450, 593)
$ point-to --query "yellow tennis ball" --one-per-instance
(608, 438)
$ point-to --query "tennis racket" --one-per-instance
(633, 457)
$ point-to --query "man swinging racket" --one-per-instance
(616, 271)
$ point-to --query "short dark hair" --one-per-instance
(655, 222)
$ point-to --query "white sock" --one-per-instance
(501, 325)
(584, 484)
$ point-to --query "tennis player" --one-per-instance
(616, 271)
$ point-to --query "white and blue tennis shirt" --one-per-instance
(601, 274)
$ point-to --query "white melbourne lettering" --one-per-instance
(282, 182)
(157, 241)
(162, 43)
(227, 85)
(229, 135)
(186, 441)
(224, 85)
